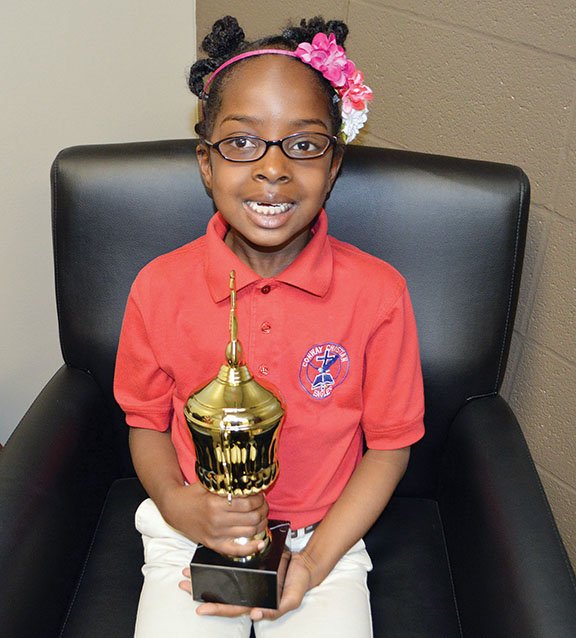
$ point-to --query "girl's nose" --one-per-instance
(274, 166)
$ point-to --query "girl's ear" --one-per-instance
(203, 157)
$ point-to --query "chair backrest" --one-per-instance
(455, 228)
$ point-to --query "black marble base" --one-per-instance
(255, 583)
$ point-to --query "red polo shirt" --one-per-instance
(334, 333)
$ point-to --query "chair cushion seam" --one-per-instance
(452, 587)
(545, 502)
(84, 567)
(55, 199)
(521, 192)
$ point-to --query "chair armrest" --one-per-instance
(511, 573)
(54, 476)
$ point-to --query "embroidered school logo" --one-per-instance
(324, 368)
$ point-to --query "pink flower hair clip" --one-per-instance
(329, 58)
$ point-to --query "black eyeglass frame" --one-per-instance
(332, 139)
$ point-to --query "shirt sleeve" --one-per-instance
(142, 389)
(393, 389)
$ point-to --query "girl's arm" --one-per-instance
(201, 516)
(364, 498)
(362, 501)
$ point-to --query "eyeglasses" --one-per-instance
(250, 148)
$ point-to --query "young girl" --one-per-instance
(327, 324)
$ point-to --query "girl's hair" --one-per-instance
(227, 40)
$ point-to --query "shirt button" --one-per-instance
(264, 370)
(265, 327)
(265, 289)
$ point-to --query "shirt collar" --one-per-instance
(311, 271)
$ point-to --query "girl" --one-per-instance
(327, 324)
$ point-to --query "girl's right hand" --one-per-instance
(213, 520)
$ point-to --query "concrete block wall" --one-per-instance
(497, 81)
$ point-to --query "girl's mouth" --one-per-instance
(263, 208)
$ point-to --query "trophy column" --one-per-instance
(235, 423)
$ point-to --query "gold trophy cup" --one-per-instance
(235, 424)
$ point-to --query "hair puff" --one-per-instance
(225, 38)
(198, 71)
(307, 29)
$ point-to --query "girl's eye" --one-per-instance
(303, 145)
(239, 147)
(307, 145)
(241, 143)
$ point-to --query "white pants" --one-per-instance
(339, 607)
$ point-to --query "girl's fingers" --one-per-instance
(233, 548)
(212, 609)
(186, 585)
(217, 609)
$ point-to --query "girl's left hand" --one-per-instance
(298, 582)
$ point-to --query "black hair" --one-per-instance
(227, 39)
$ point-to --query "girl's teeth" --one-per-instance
(269, 209)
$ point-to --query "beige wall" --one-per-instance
(490, 80)
(72, 73)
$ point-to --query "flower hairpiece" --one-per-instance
(326, 56)
(329, 58)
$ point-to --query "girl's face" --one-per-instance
(270, 203)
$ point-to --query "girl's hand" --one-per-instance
(203, 517)
(214, 521)
(298, 582)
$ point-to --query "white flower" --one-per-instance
(352, 122)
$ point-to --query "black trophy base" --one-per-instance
(255, 583)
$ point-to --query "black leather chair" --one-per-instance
(467, 547)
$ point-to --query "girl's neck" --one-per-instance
(266, 262)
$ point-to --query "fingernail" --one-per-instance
(261, 545)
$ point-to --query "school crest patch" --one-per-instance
(323, 368)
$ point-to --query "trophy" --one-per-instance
(235, 423)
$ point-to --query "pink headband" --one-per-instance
(330, 60)
(242, 56)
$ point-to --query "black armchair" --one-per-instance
(467, 547)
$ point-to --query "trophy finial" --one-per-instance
(234, 348)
